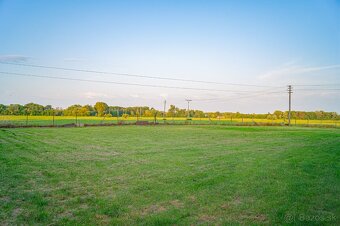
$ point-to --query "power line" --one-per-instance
(120, 83)
(334, 84)
(260, 92)
(314, 89)
(157, 77)
(135, 75)
(237, 98)
(255, 95)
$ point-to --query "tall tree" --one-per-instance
(101, 108)
(15, 109)
(34, 109)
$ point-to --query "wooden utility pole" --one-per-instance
(164, 110)
(290, 102)
(188, 107)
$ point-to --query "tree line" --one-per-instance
(101, 109)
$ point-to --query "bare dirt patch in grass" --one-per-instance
(225, 206)
(16, 212)
(176, 203)
(153, 209)
(102, 219)
(260, 218)
(5, 199)
(207, 218)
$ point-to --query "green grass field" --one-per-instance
(170, 175)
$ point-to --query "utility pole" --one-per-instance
(117, 116)
(164, 110)
(188, 107)
(290, 91)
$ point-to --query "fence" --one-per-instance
(58, 121)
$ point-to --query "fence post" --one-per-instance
(117, 116)
(76, 119)
(26, 119)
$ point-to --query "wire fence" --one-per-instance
(11, 121)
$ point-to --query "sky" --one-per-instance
(270, 44)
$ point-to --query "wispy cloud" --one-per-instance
(73, 59)
(134, 95)
(94, 95)
(13, 58)
(294, 69)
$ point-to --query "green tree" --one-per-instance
(15, 109)
(154, 113)
(147, 113)
(172, 111)
(34, 109)
(101, 108)
(73, 110)
(3, 109)
(48, 110)
(278, 114)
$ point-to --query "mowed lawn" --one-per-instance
(170, 175)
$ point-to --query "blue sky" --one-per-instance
(271, 43)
